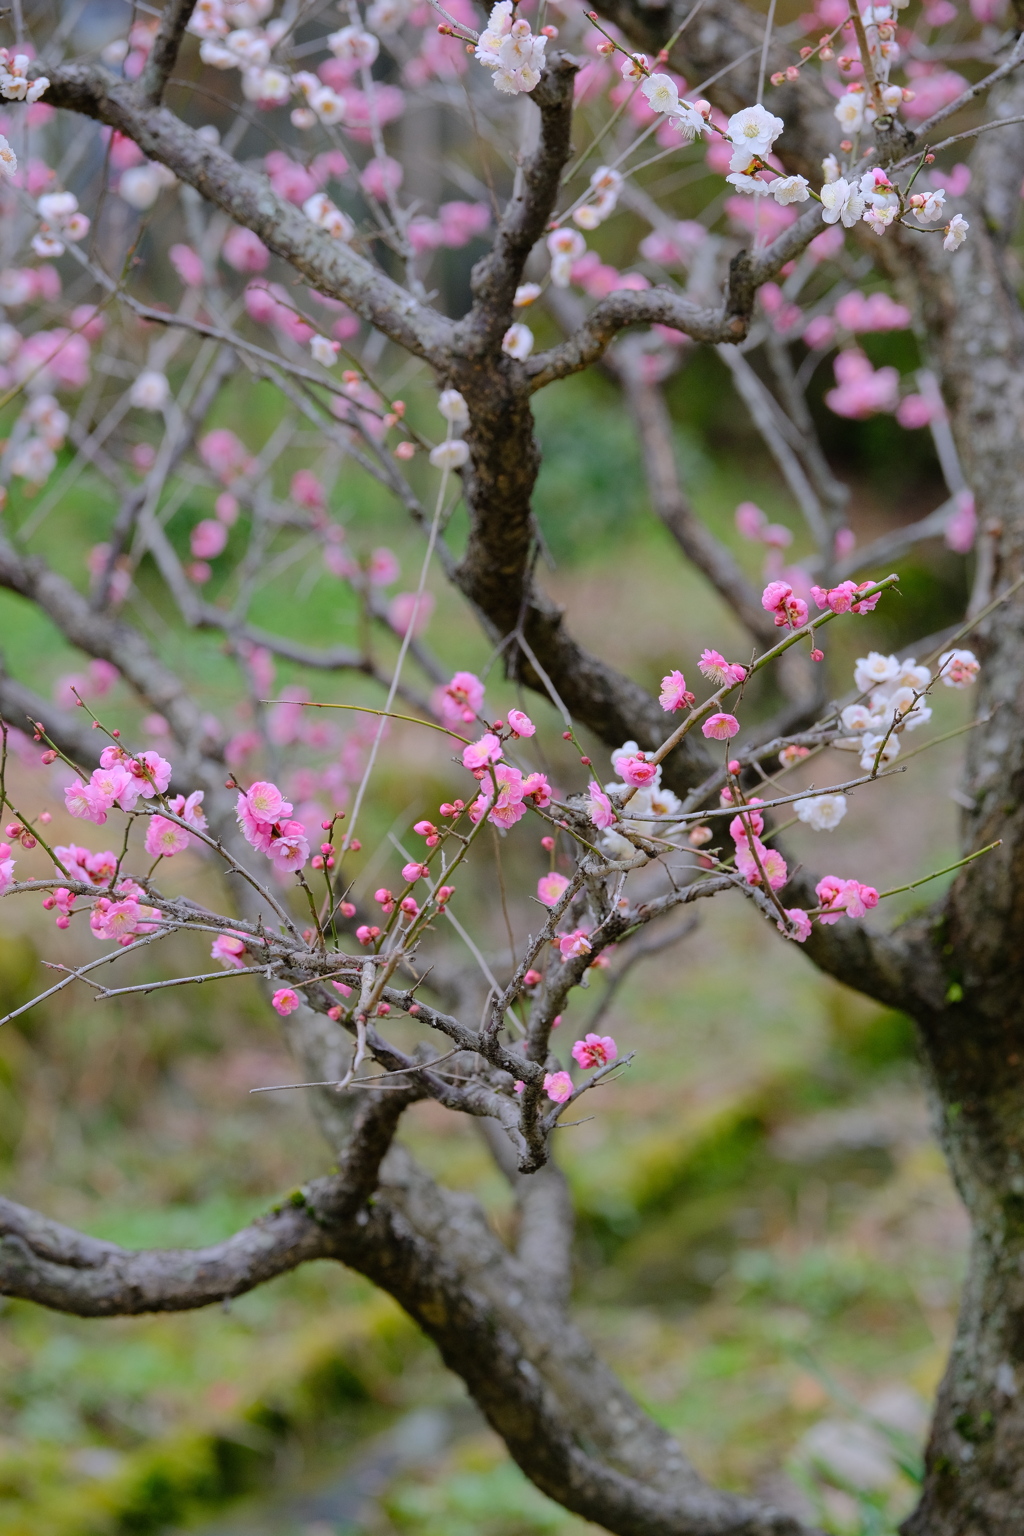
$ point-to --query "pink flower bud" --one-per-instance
(348, 909)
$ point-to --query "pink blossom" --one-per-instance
(820, 331)
(594, 1051)
(866, 604)
(720, 727)
(771, 861)
(165, 838)
(839, 599)
(551, 888)
(859, 899)
(674, 694)
(508, 807)
(962, 526)
(602, 813)
(558, 1086)
(636, 770)
(521, 724)
(224, 454)
(716, 669)
(934, 88)
(779, 598)
(838, 896)
(861, 390)
(290, 849)
(857, 311)
(83, 802)
(914, 411)
(6, 867)
(245, 251)
(750, 520)
(115, 919)
(307, 491)
(380, 177)
(187, 264)
(800, 921)
(537, 789)
(480, 754)
(208, 539)
(571, 945)
(383, 568)
(460, 701)
(751, 819)
(190, 808)
(149, 775)
(410, 609)
(288, 179)
(229, 949)
(285, 1001)
(266, 801)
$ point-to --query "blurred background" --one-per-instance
(769, 1246)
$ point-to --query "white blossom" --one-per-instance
(453, 408)
(930, 211)
(327, 105)
(871, 744)
(8, 159)
(754, 130)
(518, 341)
(849, 112)
(750, 184)
(841, 201)
(874, 668)
(140, 186)
(322, 212)
(830, 168)
(958, 669)
(324, 351)
(662, 93)
(858, 717)
(822, 812)
(689, 121)
(526, 294)
(790, 189)
(956, 233)
(355, 45)
(450, 455)
(151, 391)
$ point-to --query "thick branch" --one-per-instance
(497, 274)
(166, 46)
(661, 306)
(247, 197)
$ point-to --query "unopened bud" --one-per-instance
(567, 735)
(793, 72)
(547, 843)
(778, 77)
(826, 54)
(817, 655)
(585, 761)
(606, 48)
(334, 1013)
(805, 53)
(48, 758)
(316, 862)
(845, 145)
(348, 909)
(549, 31)
(699, 836)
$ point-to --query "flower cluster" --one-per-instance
(120, 780)
(264, 816)
(510, 50)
